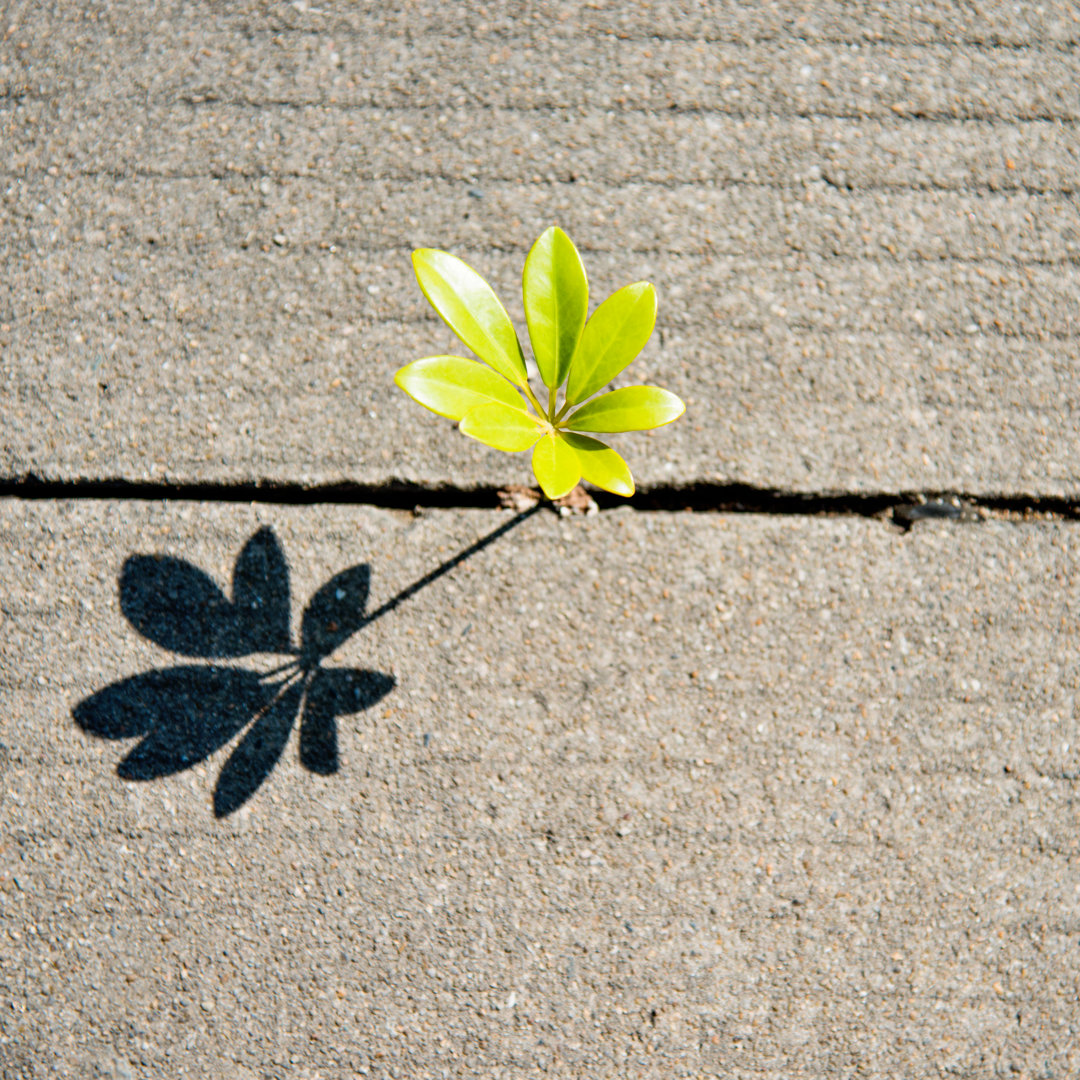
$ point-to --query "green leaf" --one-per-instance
(452, 385)
(600, 465)
(556, 295)
(472, 310)
(616, 333)
(502, 427)
(633, 408)
(556, 465)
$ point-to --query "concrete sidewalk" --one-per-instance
(861, 222)
(334, 792)
(802, 804)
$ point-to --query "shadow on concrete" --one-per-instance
(184, 714)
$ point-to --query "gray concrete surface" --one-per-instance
(861, 220)
(632, 795)
(653, 795)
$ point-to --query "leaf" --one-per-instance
(471, 309)
(600, 465)
(261, 593)
(502, 427)
(257, 753)
(178, 607)
(616, 333)
(452, 385)
(184, 699)
(556, 466)
(633, 408)
(334, 613)
(335, 692)
(556, 294)
(318, 730)
(186, 713)
(120, 711)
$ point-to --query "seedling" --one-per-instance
(493, 401)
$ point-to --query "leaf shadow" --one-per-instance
(182, 715)
(179, 607)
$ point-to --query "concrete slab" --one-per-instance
(861, 223)
(799, 371)
(649, 795)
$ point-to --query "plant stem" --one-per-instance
(562, 412)
(540, 411)
(551, 405)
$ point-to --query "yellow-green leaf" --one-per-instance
(452, 385)
(600, 465)
(633, 408)
(616, 333)
(501, 426)
(472, 310)
(556, 466)
(556, 294)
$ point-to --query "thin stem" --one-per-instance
(551, 405)
(278, 670)
(449, 565)
(540, 411)
(562, 412)
(285, 684)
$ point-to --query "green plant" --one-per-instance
(492, 400)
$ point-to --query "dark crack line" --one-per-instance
(903, 508)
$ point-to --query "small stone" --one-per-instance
(578, 501)
(518, 497)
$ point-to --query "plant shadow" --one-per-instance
(183, 714)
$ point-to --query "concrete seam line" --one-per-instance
(902, 507)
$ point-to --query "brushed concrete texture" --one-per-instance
(650, 795)
(861, 220)
(937, 22)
